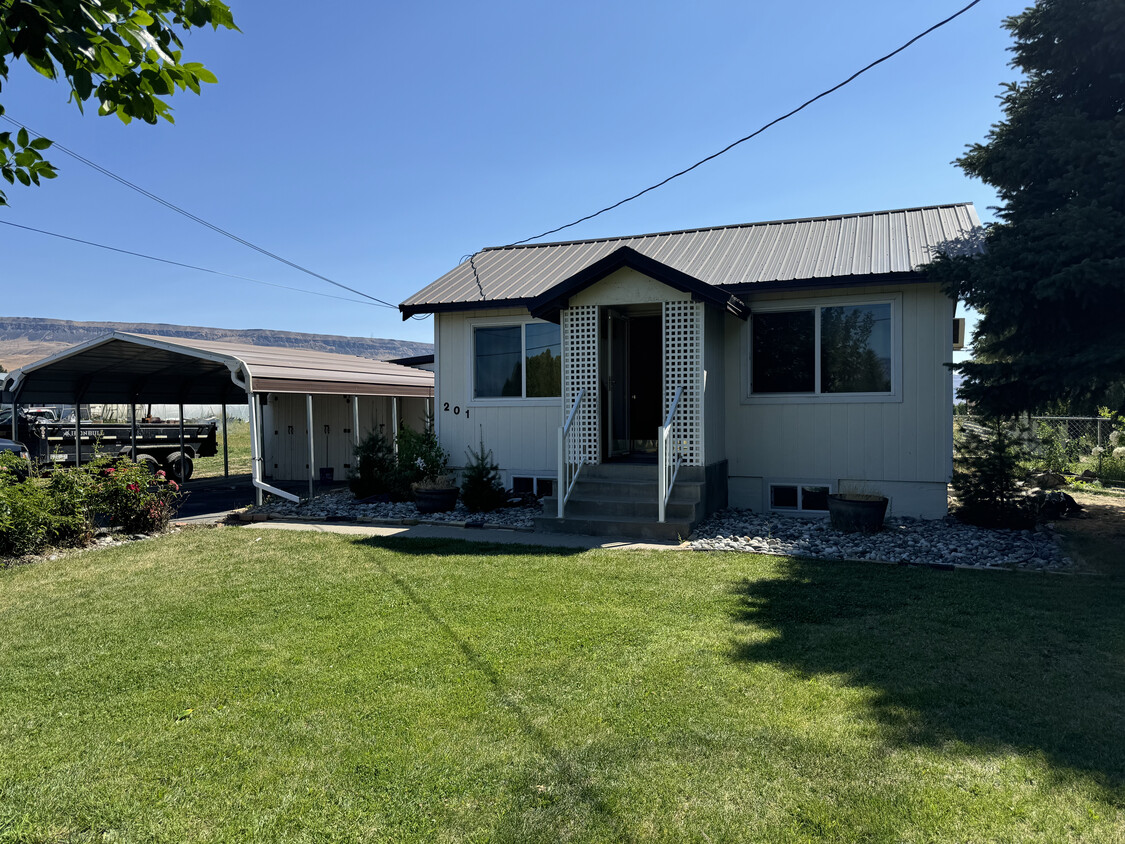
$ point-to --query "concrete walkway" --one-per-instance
(503, 537)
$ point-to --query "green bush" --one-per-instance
(986, 473)
(36, 513)
(482, 491)
(420, 458)
(377, 471)
(128, 496)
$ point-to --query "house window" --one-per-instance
(824, 350)
(801, 498)
(517, 361)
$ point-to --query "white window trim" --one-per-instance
(804, 304)
(769, 483)
(470, 364)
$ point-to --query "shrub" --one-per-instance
(128, 496)
(377, 471)
(986, 473)
(421, 459)
(482, 490)
(36, 513)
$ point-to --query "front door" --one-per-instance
(634, 379)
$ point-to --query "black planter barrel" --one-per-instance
(853, 513)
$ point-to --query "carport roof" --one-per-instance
(122, 367)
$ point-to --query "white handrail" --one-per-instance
(568, 470)
(668, 463)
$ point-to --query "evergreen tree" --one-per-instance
(1051, 287)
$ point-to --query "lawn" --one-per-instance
(246, 685)
(238, 436)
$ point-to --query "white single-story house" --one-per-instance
(648, 380)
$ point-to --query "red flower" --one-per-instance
(174, 485)
(133, 488)
(160, 473)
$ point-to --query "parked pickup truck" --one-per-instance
(52, 443)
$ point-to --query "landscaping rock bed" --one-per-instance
(341, 505)
(943, 542)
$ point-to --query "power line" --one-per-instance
(731, 146)
(173, 207)
(186, 266)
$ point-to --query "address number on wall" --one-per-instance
(456, 409)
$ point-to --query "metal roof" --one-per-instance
(122, 367)
(848, 246)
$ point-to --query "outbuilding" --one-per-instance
(307, 409)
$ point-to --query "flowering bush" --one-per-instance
(128, 496)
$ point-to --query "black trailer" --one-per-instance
(157, 444)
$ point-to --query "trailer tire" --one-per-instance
(149, 462)
(180, 467)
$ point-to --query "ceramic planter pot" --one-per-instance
(852, 513)
(435, 500)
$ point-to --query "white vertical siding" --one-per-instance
(522, 435)
(902, 444)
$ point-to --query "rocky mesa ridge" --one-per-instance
(24, 340)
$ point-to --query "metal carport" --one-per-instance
(126, 368)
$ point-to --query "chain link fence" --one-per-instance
(1071, 444)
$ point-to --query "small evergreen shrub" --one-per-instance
(986, 473)
(482, 490)
(421, 459)
(377, 471)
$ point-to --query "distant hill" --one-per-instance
(27, 339)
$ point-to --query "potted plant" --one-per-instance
(435, 488)
(857, 510)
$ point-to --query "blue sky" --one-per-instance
(379, 143)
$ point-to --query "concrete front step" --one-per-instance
(609, 526)
(621, 500)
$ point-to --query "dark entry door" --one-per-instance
(646, 380)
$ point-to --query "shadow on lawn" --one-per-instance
(560, 784)
(993, 660)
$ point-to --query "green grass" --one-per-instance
(238, 434)
(250, 685)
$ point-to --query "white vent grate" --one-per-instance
(580, 370)
(683, 367)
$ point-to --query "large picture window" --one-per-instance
(517, 361)
(824, 350)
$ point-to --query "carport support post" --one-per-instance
(183, 460)
(394, 421)
(355, 420)
(309, 417)
(256, 446)
(77, 431)
(133, 430)
(226, 455)
(15, 419)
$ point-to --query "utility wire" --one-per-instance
(173, 207)
(731, 146)
(186, 266)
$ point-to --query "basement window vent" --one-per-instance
(799, 498)
(522, 485)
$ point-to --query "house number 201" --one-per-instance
(456, 410)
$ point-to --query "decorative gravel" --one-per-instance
(912, 541)
(940, 541)
(341, 505)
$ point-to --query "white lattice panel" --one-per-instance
(580, 370)
(683, 367)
